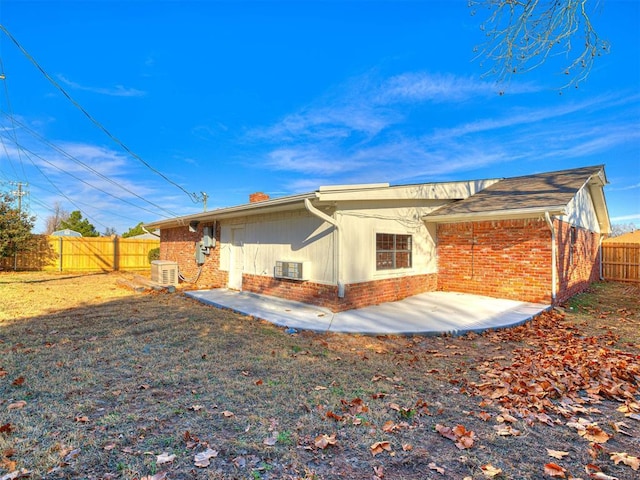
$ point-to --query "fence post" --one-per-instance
(116, 254)
(60, 249)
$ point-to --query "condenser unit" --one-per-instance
(164, 272)
(292, 270)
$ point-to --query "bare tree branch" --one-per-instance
(523, 35)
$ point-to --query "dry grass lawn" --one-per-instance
(97, 382)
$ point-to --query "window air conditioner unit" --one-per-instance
(164, 272)
(292, 270)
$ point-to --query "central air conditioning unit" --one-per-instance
(164, 272)
(292, 270)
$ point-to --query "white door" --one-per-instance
(236, 261)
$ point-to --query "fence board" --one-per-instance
(84, 254)
(621, 261)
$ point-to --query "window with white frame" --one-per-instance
(393, 251)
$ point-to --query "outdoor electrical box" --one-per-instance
(208, 237)
(200, 253)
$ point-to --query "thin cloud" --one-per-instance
(116, 91)
(440, 88)
(624, 218)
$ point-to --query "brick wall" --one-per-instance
(512, 259)
(506, 259)
(578, 259)
(179, 245)
(357, 295)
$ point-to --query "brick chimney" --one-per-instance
(258, 197)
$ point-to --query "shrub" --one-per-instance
(154, 254)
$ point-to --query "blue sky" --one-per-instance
(231, 98)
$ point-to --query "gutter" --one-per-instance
(338, 260)
(554, 268)
(150, 233)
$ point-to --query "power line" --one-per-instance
(194, 197)
(26, 150)
(13, 127)
(88, 167)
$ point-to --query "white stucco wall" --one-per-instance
(581, 211)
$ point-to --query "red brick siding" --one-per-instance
(512, 259)
(179, 245)
(505, 259)
(357, 295)
(578, 265)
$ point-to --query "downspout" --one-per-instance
(323, 216)
(554, 268)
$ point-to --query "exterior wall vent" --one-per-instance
(292, 270)
(164, 272)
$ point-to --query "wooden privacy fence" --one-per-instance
(84, 254)
(621, 261)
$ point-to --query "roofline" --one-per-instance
(277, 204)
(495, 214)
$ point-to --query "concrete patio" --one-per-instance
(432, 313)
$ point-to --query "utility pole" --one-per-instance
(204, 200)
(18, 193)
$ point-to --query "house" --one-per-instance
(533, 238)
(66, 233)
(629, 237)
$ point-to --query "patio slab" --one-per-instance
(432, 313)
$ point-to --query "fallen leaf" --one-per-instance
(593, 433)
(557, 453)
(17, 405)
(109, 446)
(490, 471)
(380, 447)
(438, 469)
(379, 471)
(202, 459)
(324, 440)
(625, 458)
(157, 476)
(6, 428)
(389, 426)
(18, 382)
(228, 414)
(484, 416)
(506, 430)
(554, 470)
(270, 441)
(22, 473)
(407, 447)
(165, 458)
(82, 419)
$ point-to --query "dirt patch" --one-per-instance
(98, 382)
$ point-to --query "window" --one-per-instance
(393, 251)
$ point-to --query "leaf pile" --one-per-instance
(559, 373)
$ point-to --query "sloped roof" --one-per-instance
(542, 192)
(629, 237)
(66, 233)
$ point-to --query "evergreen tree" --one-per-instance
(15, 227)
(133, 231)
(77, 223)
